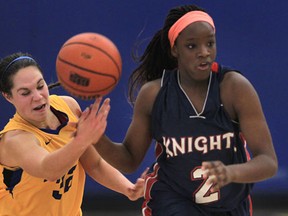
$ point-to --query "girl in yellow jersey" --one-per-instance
(43, 157)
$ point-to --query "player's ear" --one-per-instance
(174, 51)
(8, 97)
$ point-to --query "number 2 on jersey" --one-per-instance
(203, 193)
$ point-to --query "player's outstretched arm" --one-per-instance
(106, 175)
(38, 162)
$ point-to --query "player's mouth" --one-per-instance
(204, 66)
(40, 107)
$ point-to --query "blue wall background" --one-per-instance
(251, 36)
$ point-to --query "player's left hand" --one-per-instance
(138, 190)
(218, 174)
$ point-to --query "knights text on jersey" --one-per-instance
(185, 138)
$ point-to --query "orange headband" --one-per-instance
(185, 20)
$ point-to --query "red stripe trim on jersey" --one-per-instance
(245, 146)
(158, 150)
(150, 180)
(250, 205)
(248, 158)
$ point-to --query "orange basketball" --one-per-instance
(88, 65)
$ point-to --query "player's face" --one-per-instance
(30, 95)
(196, 50)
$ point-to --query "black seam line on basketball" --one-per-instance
(85, 69)
(71, 87)
(97, 49)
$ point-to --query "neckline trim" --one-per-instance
(198, 114)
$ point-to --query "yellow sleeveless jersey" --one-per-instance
(25, 195)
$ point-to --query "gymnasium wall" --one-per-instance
(251, 36)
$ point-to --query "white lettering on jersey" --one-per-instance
(202, 144)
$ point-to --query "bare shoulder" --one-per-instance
(235, 80)
(73, 104)
(151, 88)
(147, 94)
(236, 92)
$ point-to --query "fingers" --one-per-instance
(139, 184)
(84, 115)
(137, 191)
(93, 121)
(104, 110)
(143, 175)
(95, 106)
(213, 167)
(95, 111)
(216, 174)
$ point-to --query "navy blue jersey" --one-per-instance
(185, 138)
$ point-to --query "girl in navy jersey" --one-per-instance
(201, 115)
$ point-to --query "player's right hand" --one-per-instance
(93, 121)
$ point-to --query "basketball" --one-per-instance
(88, 65)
